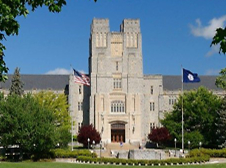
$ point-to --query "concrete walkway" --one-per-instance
(216, 160)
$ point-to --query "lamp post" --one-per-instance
(93, 144)
(100, 148)
(175, 141)
(93, 148)
(88, 142)
(200, 144)
(189, 143)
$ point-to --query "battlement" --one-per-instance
(130, 25)
(100, 25)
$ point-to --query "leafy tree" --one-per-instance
(17, 85)
(220, 38)
(57, 104)
(194, 137)
(159, 135)
(88, 131)
(221, 80)
(200, 111)
(25, 123)
(9, 11)
(221, 125)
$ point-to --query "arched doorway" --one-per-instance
(118, 132)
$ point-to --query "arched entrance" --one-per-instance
(118, 132)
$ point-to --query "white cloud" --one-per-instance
(62, 71)
(212, 72)
(214, 49)
(59, 71)
(81, 71)
(208, 31)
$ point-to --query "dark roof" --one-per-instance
(60, 82)
(175, 83)
(40, 82)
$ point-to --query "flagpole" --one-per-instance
(71, 119)
(182, 108)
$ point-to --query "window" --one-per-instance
(101, 39)
(79, 106)
(172, 100)
(152, 90)
(152, 126)
(79, 126)
(97, 40)
(152, 106)
(117, 107)
(80, 89)
(117, 66)
(117, 83)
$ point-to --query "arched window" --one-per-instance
(117, 106)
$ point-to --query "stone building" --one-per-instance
(122, 103)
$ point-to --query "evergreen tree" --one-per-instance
(221, 125)
(17, 85)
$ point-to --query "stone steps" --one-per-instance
(112, 149)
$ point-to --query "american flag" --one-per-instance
(81, 78)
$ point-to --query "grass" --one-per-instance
(73, 165)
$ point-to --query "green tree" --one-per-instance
(221, 125)
(10, 10)
(200, 112)
(16, 85)
(220, 38)
(57, 104)
(25, 123)
(221, 80)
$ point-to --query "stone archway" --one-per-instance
(118, 132)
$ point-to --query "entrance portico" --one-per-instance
(117, 132)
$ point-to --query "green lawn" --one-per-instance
(74, 165)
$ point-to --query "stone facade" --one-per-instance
(122, 103)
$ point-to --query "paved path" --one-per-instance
(216, 160)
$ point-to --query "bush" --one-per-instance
(2, 158)
(203, 158)
(209, 152)
(61, 153)
(88, 132)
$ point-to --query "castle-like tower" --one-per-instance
(122, 103)
(116, 73)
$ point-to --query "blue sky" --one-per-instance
(174, 33)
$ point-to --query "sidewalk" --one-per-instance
(216, 160)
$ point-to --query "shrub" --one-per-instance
(61, 153)
(88, 131)
(209, 152)
(159, 135)
(203, 158)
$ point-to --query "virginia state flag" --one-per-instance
(189, 77)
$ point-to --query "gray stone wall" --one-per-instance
(147, 154)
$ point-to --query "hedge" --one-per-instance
(221, 153)
(117, 161)
(61, 153)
